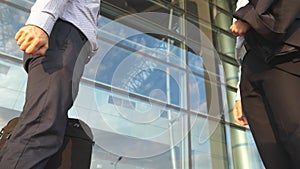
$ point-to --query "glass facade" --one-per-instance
(160, 90)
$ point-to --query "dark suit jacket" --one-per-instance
(276, 20)
(275, 31)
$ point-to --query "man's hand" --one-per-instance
(239, 28)
(32, 40)
(238, 114)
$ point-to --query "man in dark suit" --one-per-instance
(270, 80)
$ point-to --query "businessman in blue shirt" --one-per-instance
(58, 35)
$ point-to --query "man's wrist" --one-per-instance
(42, 20)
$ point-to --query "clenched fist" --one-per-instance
(32, 40)
(239, 28)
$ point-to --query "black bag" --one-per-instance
(76, 151)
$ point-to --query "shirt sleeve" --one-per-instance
(238, 92)
(240, 39)
(44, 13)
(270, 18)
(240, 4)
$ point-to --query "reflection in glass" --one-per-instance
(22, 4)
(12, 85)
(132, 127)
(140, 63)
(10, 21)
(196, 63)
(198, 94)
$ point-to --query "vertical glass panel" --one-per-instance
(197, 92)
(193, 7)
(225, 43)
(231, 74)
(231, 94)
(221, 17)
(196, 63)
(226, 5)
(199, 13)
(11, 20)
(244, 151)
(208, 144)
(12, 85)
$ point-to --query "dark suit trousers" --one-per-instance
(270, 99)
(53, 81)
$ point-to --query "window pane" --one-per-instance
(11, 20)
(208, 144)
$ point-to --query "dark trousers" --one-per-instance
(270, 99)
(52, 86)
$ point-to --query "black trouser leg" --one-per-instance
(51, 84)
(270, 98)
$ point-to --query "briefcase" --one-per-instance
(76, 151)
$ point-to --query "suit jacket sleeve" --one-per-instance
(270, 18)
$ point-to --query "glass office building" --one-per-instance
(159, 92)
